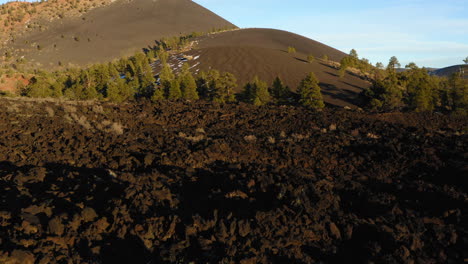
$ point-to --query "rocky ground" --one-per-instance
(203, 183)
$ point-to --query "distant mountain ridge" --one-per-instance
(447, 71)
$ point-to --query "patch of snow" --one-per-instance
(198, 63)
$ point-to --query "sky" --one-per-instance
(428, 32)
(431, 33)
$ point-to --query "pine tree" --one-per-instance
(57, 89)
(38, 87)
(188, 86)
(421, 89)
(262, 91)
(121, 65)
(411, 66)
(162, 55)
(139, 59)
(59, 85)
(147, 79)
(310, 94)
(224, 89)
(216, 86)
(458, 88)
(248, 93)
(134, 85)
(131, 69)
(166, 73)
(158, 94)
(280, 92)
(85, 87)
(352, 61)
(118, 91)
(208, 83)
(112, 92)
(393, 94)
(101, 76)
(386, 94)
(257, 101)
(202, 85)
(174, 90)
(364, 66)
(393, 63)
(345, 63)
(113, 72)
(166, 79)
(256, 92)
(126, 91)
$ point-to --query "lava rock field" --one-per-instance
(197, 182)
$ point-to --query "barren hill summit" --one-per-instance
(264, 53)
(272, 39)
(108, 31)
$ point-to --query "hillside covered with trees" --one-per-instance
(133, 78)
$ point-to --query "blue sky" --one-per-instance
(428, 32)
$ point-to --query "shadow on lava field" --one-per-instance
(180, 182)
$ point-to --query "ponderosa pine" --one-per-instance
(256, 92)
(280, 92)
(309, 92)
(188, 86)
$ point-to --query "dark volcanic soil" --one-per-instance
(114, 31)
(201, 183)
(263, 53)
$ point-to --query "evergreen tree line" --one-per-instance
(415, 90)
(133, 78)
(118, 81)
(308, 94)
(412, 89)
